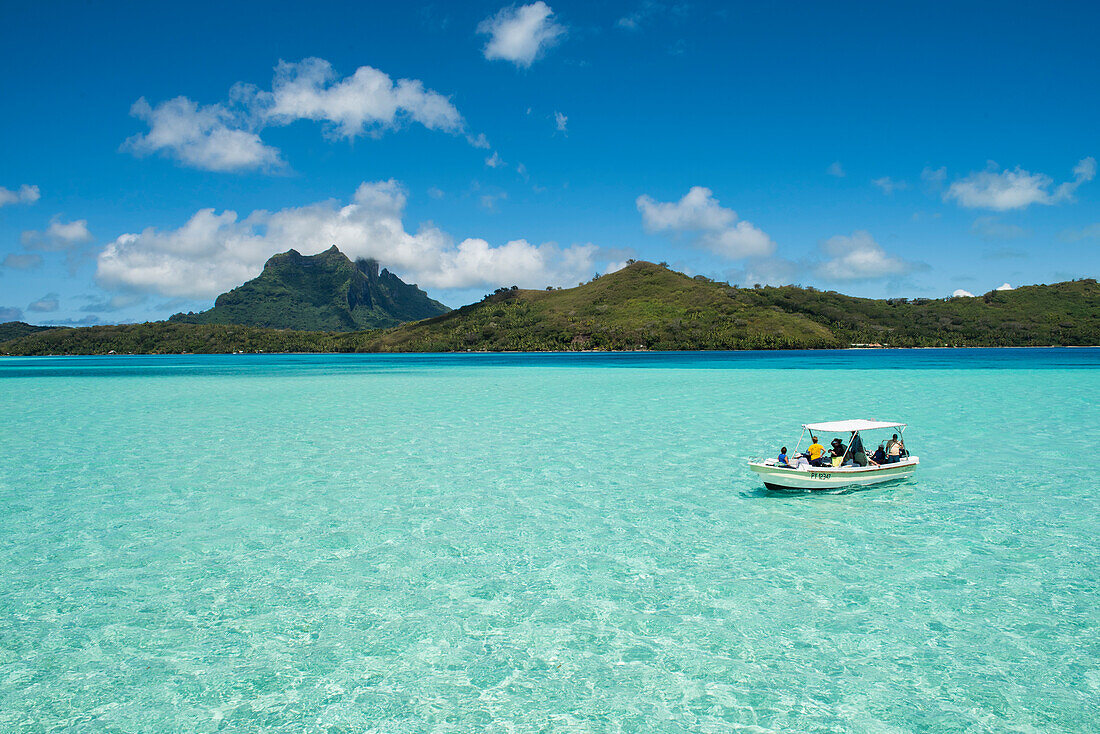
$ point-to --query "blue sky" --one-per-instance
(152, 156)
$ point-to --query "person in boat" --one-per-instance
(838, 453)
(894, 449)
(879, 456)
(816, 452)
(858, 453)
(781, 460)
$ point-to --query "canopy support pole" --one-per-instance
(848, 447)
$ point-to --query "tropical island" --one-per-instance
(327, 303)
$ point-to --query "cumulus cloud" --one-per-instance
(522, 34)
(25, 194)
(560, 121)
(10, 313)
(712, 226)
(1016, 189)
(835, 169)
(46, 304)
(213, 252)
(960, 293)
(226, 136)
(60, 236)
(889, 185)
(22, 261)
(991, 229)
(859, 257)
(201, 137)
(368, 101)
(1004, 287)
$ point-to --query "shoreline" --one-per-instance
(578, 351)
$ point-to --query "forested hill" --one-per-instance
(646, 306)
(649, 306)
(322, 292)
(13, 329)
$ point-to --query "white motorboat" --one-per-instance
(800, 475)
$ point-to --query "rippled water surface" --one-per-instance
(544, 543)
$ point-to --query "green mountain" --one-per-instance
(323, 292)
(15, 329)
(645, 306)
(648, 306)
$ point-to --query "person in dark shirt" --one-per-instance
(838, 447)
(859, 454)
(879, 456)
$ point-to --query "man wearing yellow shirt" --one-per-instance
(815, 451)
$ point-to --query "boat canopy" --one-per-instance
(857, 424)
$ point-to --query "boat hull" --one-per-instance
(828, 477)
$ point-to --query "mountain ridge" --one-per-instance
(322, 292)
(645, 306)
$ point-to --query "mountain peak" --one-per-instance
(322, 292)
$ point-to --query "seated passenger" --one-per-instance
(894, 447)
(879, 456)
(781, 460)
(816, 452)
(858, 453)
(837, 452)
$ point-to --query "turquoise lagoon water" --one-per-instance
(519, 543)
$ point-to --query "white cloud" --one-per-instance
(835, 169)
(521, 34)
(1004, 287)
(489, 201)
(201, 137)
(478, 141)
(560, 121)
(10, 313)
(934, 176)
(368, 101)
(991, 228)
(859, 257)
(960, 293)
(1016, 189)
(25, 194)
(889, 185)
(633, 21)
(214, 252)
(494, 161)
(46, 304)
(715, 227)
(59, 236)
(226, 136)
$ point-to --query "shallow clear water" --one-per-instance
(544, 543)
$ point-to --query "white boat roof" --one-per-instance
(856, 424)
